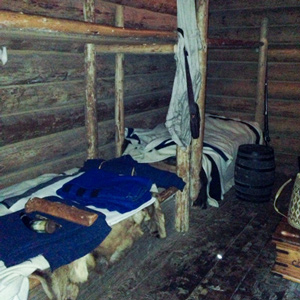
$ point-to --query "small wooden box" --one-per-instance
(287, 262)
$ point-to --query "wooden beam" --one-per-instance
(182, 206)
(119, 90)
(91, 123)
(261, 75)
(24, 26)
(137, 49)
(228, 43)
(197, 144)
(160, 6)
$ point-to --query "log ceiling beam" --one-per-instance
(160, 6)
(24, 26)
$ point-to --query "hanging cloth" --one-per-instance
(178, 116)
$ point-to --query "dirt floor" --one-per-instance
(226, 254)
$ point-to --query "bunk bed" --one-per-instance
(99, 39)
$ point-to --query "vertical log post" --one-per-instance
(197, 144)
(91, 123)
(261, 75)
(182, 206)
(119, 89)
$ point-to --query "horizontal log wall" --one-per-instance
(232, 73)
(42, 89)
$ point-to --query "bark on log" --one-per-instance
(197, 144)
(262, 75)
(119, 90)
(182, 205)
(90, 89)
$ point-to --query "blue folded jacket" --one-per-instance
(126, 165)
(107, 190)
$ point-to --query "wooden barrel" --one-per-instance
(254, 173)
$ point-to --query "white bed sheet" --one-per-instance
(14, 282)
(223, 133)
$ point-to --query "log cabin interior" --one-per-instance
(75, 74)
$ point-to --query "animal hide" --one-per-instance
(63, 283)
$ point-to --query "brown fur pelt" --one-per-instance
(63, 283)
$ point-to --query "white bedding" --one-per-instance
(226, 135)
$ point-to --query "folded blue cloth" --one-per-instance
(107, 190)
(126, 165)
(70, 242)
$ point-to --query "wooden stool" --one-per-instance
(287, 241)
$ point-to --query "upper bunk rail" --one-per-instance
(25, 26)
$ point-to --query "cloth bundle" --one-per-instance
(107, 190)
(18, 243)
(126, 165)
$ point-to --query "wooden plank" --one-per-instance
(32, 67)
(288, 35)
(232, 55)
(245, 4)
(144, 19)
(157, 5)
(261, 85)
(284, 55)
(232, 69)
(231, 87)
(287, 163)
(35, 153)
(241, 18)
(35, 27)
(119, 90)
(286, 108)
(31, 124)
(223, 42)
(250, 55)
(53, 166)
(284, 90)
(23, 98)
(285, 145)
(285, 71)
(246, 88)
(223, 104)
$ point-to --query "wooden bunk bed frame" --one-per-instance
(118, 40)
